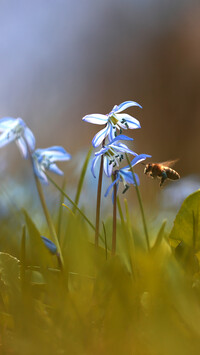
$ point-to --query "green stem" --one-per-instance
(114, 217)
(74, 205)
(98, 205)
(140, 204)
(81, 180)
(48, 218)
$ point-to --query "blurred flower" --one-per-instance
(125, 174)
(113, 121)
(16, 130)
(113, 153)
(50, 245)
(44, 159)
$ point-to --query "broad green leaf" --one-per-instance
(186, 224)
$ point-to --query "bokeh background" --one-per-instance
(63, 59)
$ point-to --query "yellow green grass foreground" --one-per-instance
(136, 302)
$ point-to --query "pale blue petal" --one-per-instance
(102, 151)
(54, 169)
(55, 153)
(124, 105)
(121, 137)
(7, 137)
(128, 176)
(94, 161)
(6, 123)
(99, 137)
(111, 134)
(96, 118)
(132, 122)
(123, 148)
(107, 167)
(39, 172)
(139, 158)
(30, 139)
(111, 185)
(22, 147)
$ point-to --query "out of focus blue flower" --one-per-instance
(113, 153)
(125, 175)
(44, 159)
(16, 130)
(50, 245)
(113, 121)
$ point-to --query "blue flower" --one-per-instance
(16, 130)
(44, 159)
(113, 121)
(125, 174)
(50, 245)
(113, 153)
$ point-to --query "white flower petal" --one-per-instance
(124, 105)
(99, 137)
(96, 118)
(22, 147)
(30, 139)
(132, 122)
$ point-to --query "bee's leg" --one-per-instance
(153, 177)
(163, 178)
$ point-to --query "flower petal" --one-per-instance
(6, 122)
(55, 153)
(22, 147)
(124, 105)
(30, 139)
(50, 245)
(107, 167)
(111, 185)
(39, 172)
(123, 148)
(96, 118)
(132, 122)
(94, 161)
(54, 169)
(99, 137)
(121, 137)
(127, 176)
(7, 137)
(139, 158)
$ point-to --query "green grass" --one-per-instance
(137, 302)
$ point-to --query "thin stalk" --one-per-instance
(73, 204)
(140, 204)
(114, 217)
(82, 177)
(48, 219)
(106, 246)
(98, 205)
(46, 212)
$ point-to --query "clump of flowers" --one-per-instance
(112, 153)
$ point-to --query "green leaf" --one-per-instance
(36, 250)
(186, 224)
(9, 270)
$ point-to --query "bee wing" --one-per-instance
(169, 163)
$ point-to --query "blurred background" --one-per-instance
(61, 60)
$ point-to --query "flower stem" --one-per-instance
(98, 205)
(49, 220)
(114, 216)
(140, 204)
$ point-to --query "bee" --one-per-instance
(162, 171)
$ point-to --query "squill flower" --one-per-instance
(125, 175)
(113, 121)
(50, 245)
(113, 153)
(44, 159)
(16, 130)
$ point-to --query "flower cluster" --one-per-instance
(16, 130)
(114, 151)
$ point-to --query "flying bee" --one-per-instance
(162, 171)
